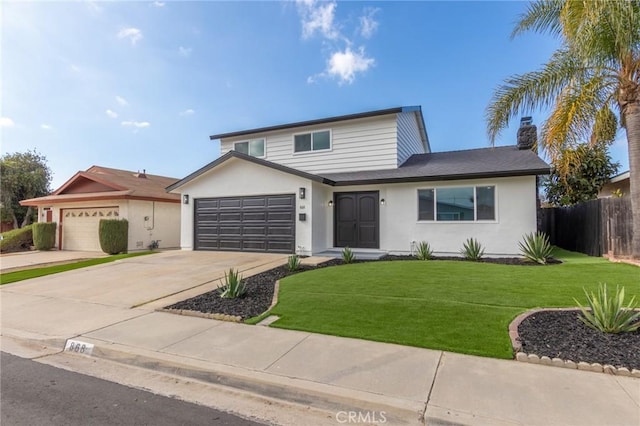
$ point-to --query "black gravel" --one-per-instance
(256, 300)
(560, 334)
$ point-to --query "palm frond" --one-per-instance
(574, 114)
(541, 16)
(524, 93)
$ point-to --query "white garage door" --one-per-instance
(80, 227)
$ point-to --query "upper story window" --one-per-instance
(313, 141)
(470, 203)
(254, 147)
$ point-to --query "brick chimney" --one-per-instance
(527, 134)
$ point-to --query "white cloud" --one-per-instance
(368, 24)
(44, 126)
(6, 122)
(344, 65)
(111, 114)
(121, 101)
(133, 34)
(185, 51)
(318, 17)
(136, 124)
(158, 4)
(75, 68)
(186, 112)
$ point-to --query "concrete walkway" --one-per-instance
(335, 375)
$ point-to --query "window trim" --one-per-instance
(475, 204)
(248, 142)
(311, 151)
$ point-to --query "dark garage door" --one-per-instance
(258, 223)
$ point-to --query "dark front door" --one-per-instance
(356, 219)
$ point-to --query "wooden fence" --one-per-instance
(597, 227)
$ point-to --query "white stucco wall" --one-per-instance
(241, 178)
(399, 225)
(166, 215)
(152, 220)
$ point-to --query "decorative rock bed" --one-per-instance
(556, 337)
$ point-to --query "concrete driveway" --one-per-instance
(32, 259)
(70, 303)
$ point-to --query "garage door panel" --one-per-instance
(288, 217)
(256, 223)
(229, 203)
(254, 216)
(80, 227)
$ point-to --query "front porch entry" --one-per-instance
(357, 219)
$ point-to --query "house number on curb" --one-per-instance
(78, 347)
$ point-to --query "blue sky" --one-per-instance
(142, 85)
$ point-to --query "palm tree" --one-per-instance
(595, 72)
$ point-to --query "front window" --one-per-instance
(314, 141)
(254, 148)
(470, 203)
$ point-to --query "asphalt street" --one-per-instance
(36, 394)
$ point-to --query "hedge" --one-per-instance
(114, 235)
(44, 235)
(17, 240)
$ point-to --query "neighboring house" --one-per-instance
(367, 181)
(619, 184)
(104, 193)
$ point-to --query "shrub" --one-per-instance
(44, 235)
(472, 250)
(114, 235)
(424, 251)
(293, 262)
(536, 247)
(607, 313)
(347, 255)
(233, 286)
(17, 240)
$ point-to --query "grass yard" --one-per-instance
(12, 277)
(449, 305)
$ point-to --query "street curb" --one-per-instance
(558, 362)
(286, 389)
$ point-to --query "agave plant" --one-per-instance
(536, 247)
(472, 250)
(293, 262)
(607, 313)
(347, 255)
(233, 286)
(424, 251)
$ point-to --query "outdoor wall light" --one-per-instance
(185, 199)
(302, 192)
(382, 202)
(330, 204)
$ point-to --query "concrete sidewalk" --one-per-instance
(406, 385)
(113, 306)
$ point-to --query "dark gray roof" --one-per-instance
(473, 163)
(321, 121)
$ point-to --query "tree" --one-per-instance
(590, 167)
(595, 72)
(23, 175)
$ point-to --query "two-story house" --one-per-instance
(366, 181)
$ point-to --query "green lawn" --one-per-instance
(450, 305)
(12, 277)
